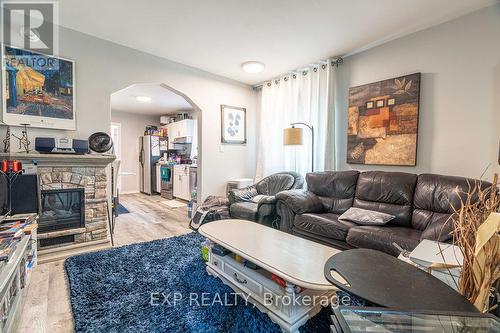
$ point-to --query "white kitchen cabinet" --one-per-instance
(181, 182)
(185, 128)
(180, 130)
(171, 130)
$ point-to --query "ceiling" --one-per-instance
(218, 35)
(163, 101)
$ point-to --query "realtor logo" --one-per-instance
(30, 25)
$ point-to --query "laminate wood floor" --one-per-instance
(47, 307)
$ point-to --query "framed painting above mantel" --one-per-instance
(37, 90)
(383, 122)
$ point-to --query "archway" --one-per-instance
(160, 100)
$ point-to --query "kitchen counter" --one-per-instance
(184, 181)
(175, 165)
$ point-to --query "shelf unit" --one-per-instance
(14, 278)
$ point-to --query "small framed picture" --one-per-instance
(369, 105)
(380, 103)
(391, 101)
(233, 125)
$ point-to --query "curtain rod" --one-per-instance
(334, 62)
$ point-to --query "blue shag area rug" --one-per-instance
(121, 209)
(126, 289)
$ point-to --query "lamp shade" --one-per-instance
(292, 136)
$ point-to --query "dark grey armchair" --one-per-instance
(258, 202)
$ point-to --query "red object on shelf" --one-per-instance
(17, 166)
(5, 166)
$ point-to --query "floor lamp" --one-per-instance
(293, 136)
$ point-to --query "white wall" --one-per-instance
(133, 126)
(103, 67)
(459, 124)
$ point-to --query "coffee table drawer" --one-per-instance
(216, 261)
(240, 279)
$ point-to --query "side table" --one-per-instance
(387, 281)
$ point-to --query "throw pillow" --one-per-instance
(365, 217)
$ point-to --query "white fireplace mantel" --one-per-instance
(60, 159)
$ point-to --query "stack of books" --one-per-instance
(6, 248)
(11, 231)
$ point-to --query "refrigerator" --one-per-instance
(150, 153)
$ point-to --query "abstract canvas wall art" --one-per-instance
(233, 121)
(37, 89)
(383, 122)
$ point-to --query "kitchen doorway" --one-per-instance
(157, 131)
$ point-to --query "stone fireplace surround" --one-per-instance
(94, 182)
(62, 171)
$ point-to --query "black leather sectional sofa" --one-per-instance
(421, 204)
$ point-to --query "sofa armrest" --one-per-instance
(439, 231)
(293, 202)
(266, 208)
(301, 201)
(242, 194)
(268, 200)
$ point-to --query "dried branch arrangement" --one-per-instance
(481, 265)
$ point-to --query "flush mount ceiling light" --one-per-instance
(144, 99)
(253, 66)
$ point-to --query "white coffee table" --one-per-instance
(298, 261)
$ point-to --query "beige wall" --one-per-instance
(103, 67)
(133, 126)
(459, 124)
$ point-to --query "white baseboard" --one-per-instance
(129, 192)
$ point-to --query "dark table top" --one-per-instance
(387, 281)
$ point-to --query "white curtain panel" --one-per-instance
(307, 98)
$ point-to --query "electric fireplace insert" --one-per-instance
(61, 209)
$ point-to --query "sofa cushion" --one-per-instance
(381, 238)
(365, 217)
(387, 192)
(436, 199)
(327, 225)
(338, 244)
(246, 210)
(334, 189)
(439, 228)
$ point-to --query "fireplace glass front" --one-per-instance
(62, 209)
